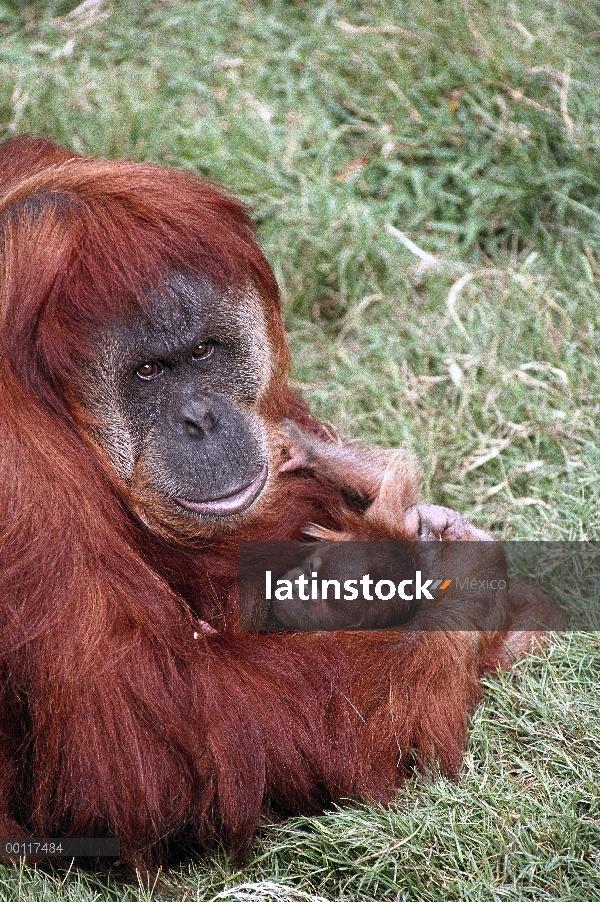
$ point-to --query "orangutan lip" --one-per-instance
(229, 504)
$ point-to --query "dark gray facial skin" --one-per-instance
(174, 395)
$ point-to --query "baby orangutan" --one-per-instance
(383, 488)
(385, 483)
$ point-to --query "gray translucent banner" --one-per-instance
(293, 586)
(73, 847)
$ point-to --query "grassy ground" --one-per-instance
(472, 130)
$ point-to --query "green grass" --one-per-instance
(472, 128)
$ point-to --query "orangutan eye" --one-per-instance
(148, 371)
(204, 350)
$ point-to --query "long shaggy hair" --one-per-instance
(118, 715)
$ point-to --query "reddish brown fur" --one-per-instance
(114, 719)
